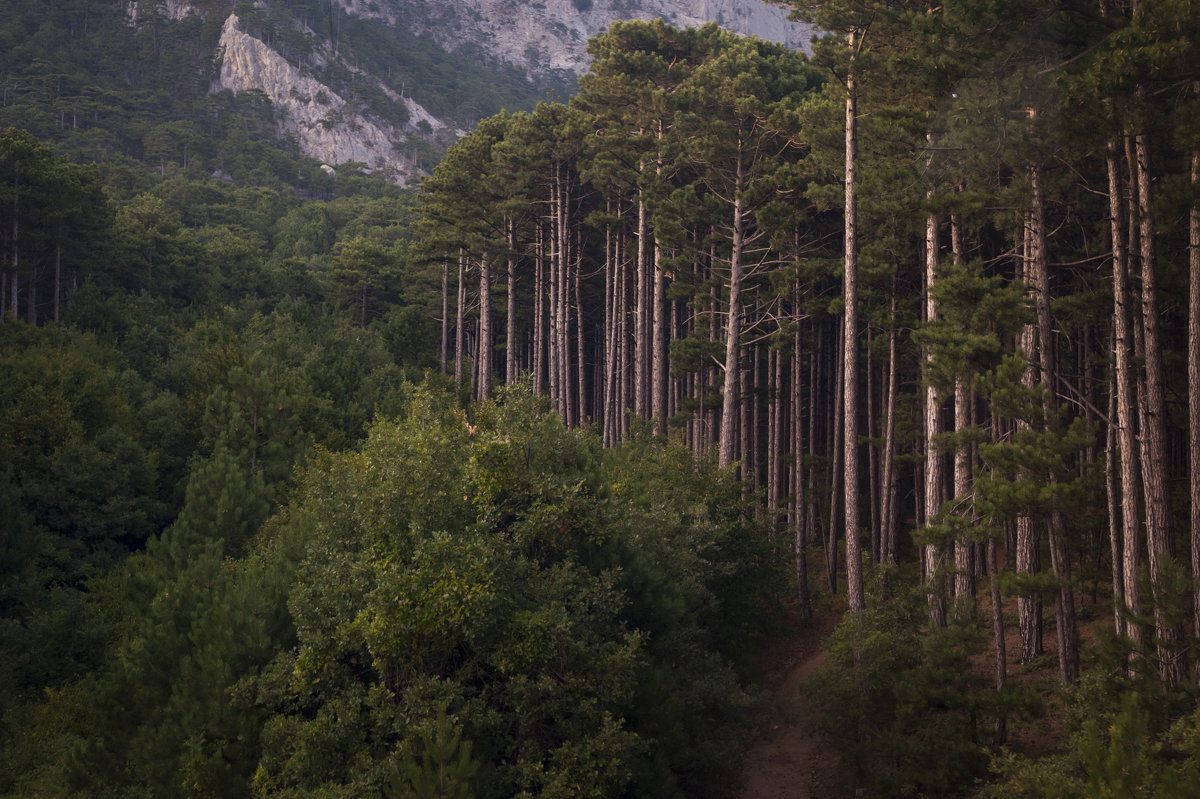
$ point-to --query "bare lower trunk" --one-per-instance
(510, 322)
(539, 313)
(1028, 555)
(485, 328)
(445, 314)
(610, 311)
(799, 510)
(1160, 537)
(641, 342)
(458, 323)
(729, 405)
(1114, 511)
(747, 426)
(933, 427)
(659, 350)
(581, 410)
(1129, 485)
(854, 579)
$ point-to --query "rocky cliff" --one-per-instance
(320, 120)
(542, 35)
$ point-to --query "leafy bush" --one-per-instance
(497, 583)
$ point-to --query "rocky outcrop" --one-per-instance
(543, 35)
(320, 120)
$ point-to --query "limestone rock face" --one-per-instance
(542, 35)
(308, 110)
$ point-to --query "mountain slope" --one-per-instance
(390, 84)
(541, 43)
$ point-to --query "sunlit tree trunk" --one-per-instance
(1129, 486)
(510, 323)
(458, 322)
(641, 342)
(726, 454)
(1114, 505)
(933, 427)
(484, 368)
(539, 312)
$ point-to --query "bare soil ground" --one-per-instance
(790, 763)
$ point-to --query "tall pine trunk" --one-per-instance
(1028, 555)
(799, 509)
(460, 311)
(1159, 534)
(445, 314)
(964, 400)
(641, 342)
(484, 368)
(1064, 606)
(510, 322)
(933, 552)
(854, 579)
(1129, 487)
(726, 454)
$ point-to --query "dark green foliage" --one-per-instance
(1130, 737)
(483, 606)
(903, 703)
(478, 557)
(439, 767)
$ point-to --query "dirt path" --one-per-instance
(791, 764)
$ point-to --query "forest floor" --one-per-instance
(790, 762)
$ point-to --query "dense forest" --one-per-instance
(315, 486)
